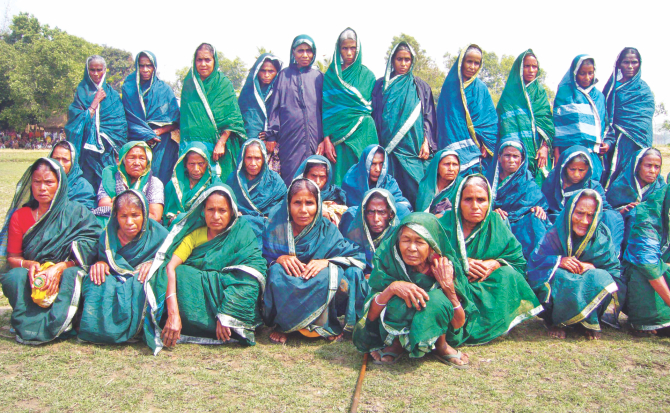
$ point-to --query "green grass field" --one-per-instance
(525, 371)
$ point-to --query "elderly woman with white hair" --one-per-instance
(96, 123)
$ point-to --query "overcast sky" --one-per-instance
(556, 31)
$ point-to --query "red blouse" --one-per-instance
(19, 224)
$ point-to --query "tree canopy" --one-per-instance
(425, 68)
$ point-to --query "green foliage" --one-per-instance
(235, 70)
(425, 67)
(261, 50)
(178, 84)
(324, 64)
(120, 64)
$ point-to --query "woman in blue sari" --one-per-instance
(438, 187)
(630, 111)
(257, 188)
(314, 275)
(516, 195)
(575, 269)
(152, 112)
(580, 115)
(573, 173)
(113, 293)
(467, 121)
(79, 189)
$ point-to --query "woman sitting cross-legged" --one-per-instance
(315, 275)
(575, 270)
(418, 300)
(114, 297)
(210, 290)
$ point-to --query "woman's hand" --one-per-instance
(327, 149)
(539, 212)
(586, 266)
(313, 268)
(483, 151)
(571, 264)
(413, 295)
(628, 207)
(143, 271)
(222, 333)
(604, 148)
(481, 269)
(52, 276)
(98, 272)
(172, 330)
(33, 268)
(99, 96)
(542, 156)
(219, 149)
(424, 152)
(503, 214)
(443, 271)
(291, 265)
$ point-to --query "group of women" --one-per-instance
(520, 211)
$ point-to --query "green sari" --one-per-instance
(504, 299)
(114, 310)
(429, 197)
(208, 108)
(109, 173)
(416, 330)
(66, 232)
(222, 280)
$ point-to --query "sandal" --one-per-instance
(445, 360)
(383, 354)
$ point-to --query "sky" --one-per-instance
(556, 31)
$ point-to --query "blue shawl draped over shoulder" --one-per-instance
(254, 96)
(79, 189)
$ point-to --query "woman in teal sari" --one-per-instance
(525, 114)
(210, 113)
(348, 126)
(575, 269)
(113, 294)
(314, 275)
(419, 300)
(404, 112)
(45, 236)
(210, 290)
(438, 187)
(191, 176)
(493, 262)
(79, 189)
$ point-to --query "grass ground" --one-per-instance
(525, 371)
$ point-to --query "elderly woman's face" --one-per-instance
(303, 208)
(575, 171)
(472, 61)
(319, 175)
(130, 219)
(204, 63)
(253, 161)
(629, 66)
(135, 162)
(413, 249)
(649, 168)
(583, 215)
(267, 73)
(510, 160)
(303, 55)
(585, 75)
(44, 185)
(474, 204)
(348, 51)
(448, 168)
(402, 61)
(377, 166)
(530, 69)
(377, 215)
(146, 68)
(196, 166)
(64, 157)
(218, 212)
(96, 70)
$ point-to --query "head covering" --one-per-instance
(254, 96)
(626, 188)
(330, 191)
(79, 189)
(297, 41)
(109, 173)
(466, 116)
(525, 114)
(429, 197)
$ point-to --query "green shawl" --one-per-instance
(428, 196)
(109, 173)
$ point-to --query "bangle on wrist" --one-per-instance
(458, 306)
(21, 264)
(166, 298)
(378, 303)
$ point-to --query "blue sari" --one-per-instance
(516, 195)
(330, 191)
(467, 119)
(356, 181)
(580, 115)
(151, 105)
(254, 96)
(79, 189)
(293, 303)
(256, 198)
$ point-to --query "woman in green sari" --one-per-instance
(437, 189)
(191, 176)
(210, 113)
(493, 261)
(210, 290)
(45, 236)
(348, 126)
(114, 298)
(418, 300)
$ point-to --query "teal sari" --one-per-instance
(429, 196)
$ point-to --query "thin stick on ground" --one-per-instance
(359, 385)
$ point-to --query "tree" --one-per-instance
(235, 70)
(425, 67)
(120, 64)
(324, 64)
(178, 84)
(261, 50)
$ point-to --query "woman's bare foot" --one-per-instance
(557, 332)
(592, 334)
(644, 333)
(443, 349)
(278, 338)
(396, 348)
(336, 338)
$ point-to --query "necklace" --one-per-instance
(36, 214)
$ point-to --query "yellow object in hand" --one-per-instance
(39, 294)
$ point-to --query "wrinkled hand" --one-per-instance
(33, 267)
(628, 207)
(327, 149)
(172, 330)
(587, 266)
(291, 265)
(542, 156)
(219, 150)
(481, 269)
(413, 295)
(98, 272)
(571, 264)
(539, 212)
(503, 214)
(443, 271)
(222, 333)
(270, 146)
(143, 271)
(424, 153)
(99, 96)
(313, 268)
(604, 148)
(261, 136)
(52, 276)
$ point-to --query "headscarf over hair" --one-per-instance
(429, 197)
(109, 174)
(79, 189)
(254, 96)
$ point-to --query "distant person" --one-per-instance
(404, 112)
(96, 121)
(294, 109)
(79, 189)
(209, 112)
(437, 190)
(152, 113)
